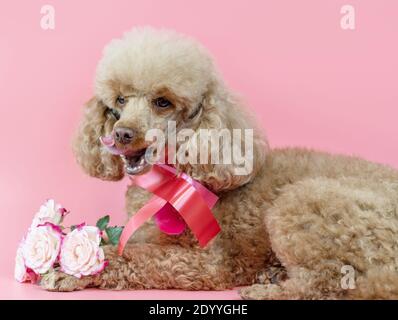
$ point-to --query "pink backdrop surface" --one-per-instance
(309, 82)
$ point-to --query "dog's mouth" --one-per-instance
(134, 160)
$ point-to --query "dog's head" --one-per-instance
(145, 80)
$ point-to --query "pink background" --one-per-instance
(310, 83)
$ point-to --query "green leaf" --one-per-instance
(113, 234)
(103, 222)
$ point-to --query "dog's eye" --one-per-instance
(162, 102)
(114, 113)
(121, 100)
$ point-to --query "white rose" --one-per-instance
(81, 254)
(41, 247)
(20, 272)
(49, 212)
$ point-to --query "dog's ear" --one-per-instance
(87, 148)
(222, 113)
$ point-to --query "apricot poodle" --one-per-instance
(302, 225)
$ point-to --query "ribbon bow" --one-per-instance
(177, 201)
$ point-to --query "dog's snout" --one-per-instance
(124, 135)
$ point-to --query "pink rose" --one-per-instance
(81, 254)
(51, 212)
(41, 247)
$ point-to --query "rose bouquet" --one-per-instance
(75, 250)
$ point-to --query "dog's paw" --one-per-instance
(261, 292)
(59, 281)
(272, 275)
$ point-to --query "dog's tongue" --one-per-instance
(109, 143)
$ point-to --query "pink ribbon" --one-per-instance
(177, 201)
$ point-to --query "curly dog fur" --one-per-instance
(287, 228)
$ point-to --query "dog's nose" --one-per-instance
(124, 135)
